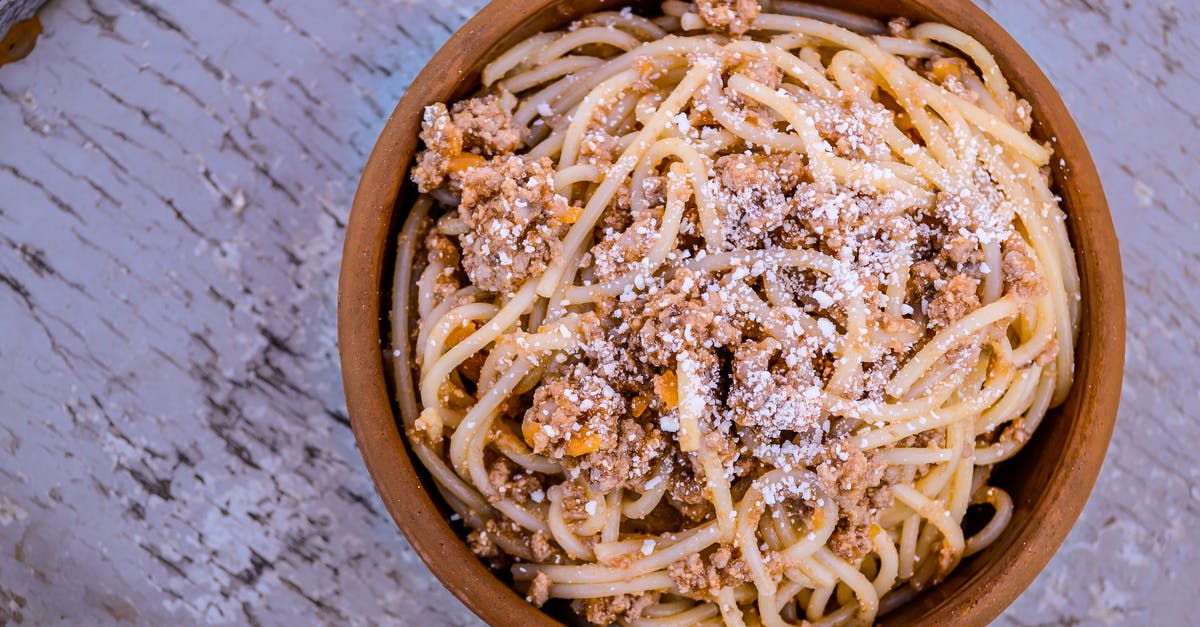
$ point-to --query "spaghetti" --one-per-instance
(725, 316)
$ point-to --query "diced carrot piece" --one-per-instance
(464, 161)
(943, 69)
(529, 429)
(667, 388)
(583, 443)
(638, 406)
(459, 334)
(572, 215)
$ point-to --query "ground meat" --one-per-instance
(854, 131)
(654, 193)
(480, 126)
(498, 540)
(598, 148)
(440, 249)
(731, 16)
(760, 69)
(924, 439)
(647, 71)
(831, 215)
(629, 464)
(514, 220)
(1021, 276)
(575, 498)
(923, 275)
(615, 218)
(539, 590)
(897, 334)
(947, 558)
(454, 396)
(1015, 431)
(850, 542)
(854, 478)
(605, 348)
(541, 548)
(685, 491)
(443, 141)
(923, 278)
(1023, 115)
(962, 250)
(974, 209)
(723, 443)
(765, 391)
(701, 115)
(512, 481)
(574, 413)
(956, 299)
(614, 256)
(608, 610)
(752, 194)
(487, 126)
(483, 543)
(898, 27)
(697, 574)
(684, 315)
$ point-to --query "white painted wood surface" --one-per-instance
(174, 180)
(15, 11)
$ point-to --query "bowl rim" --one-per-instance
(361, 332)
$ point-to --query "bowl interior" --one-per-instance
(1049, 480)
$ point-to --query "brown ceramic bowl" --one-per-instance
(1049, 480)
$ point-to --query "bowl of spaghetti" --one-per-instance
(729, 313)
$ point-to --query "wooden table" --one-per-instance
(174, 182)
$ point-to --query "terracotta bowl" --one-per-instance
(1049, 480)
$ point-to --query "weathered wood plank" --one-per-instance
(174, 182)
(12, 11)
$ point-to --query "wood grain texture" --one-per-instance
(174, 182)
(16, 10)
